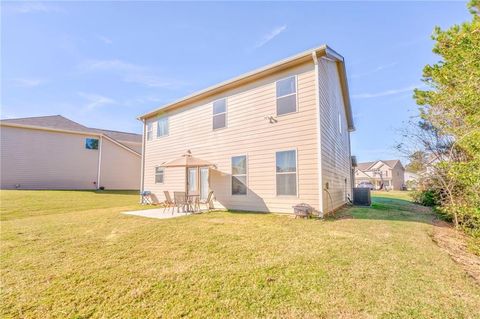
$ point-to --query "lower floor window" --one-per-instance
(286, 172)
(239, 175)
(159, 175)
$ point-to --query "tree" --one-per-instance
(450, 120)
(418, 162)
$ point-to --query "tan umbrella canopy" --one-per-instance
(187, 160)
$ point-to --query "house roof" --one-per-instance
(121, 136)
(58, 122)
(53, 121)
(365, 166)
(305, 56)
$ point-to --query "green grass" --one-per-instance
(85, 259)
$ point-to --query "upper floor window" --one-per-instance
(239, 175)
(91, 144)
(162, 127)
(287, 95)
(149, 131)
(220, 113)
(286, 171)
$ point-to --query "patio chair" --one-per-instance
(180, 200)
(207, 201)
(168, 203)
(146, 197)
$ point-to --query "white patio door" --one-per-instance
(192, 180)
(203, 182)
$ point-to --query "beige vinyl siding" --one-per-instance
(247, 133)
(120, 168)
(398, 177)
(39, 159)
(335, 147)
(137, 147)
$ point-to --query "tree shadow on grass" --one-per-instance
(390, 209)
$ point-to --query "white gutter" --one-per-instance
(142, 169)
(99, 162)
(319, 134)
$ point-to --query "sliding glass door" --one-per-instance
(204, 183)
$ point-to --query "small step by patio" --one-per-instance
(157, 213)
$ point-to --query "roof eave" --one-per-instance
(305, 56)
(52, 129)
(257, 73)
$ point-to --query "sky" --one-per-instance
(104, 63)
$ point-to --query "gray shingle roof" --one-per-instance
(53, 121)
(62, 123)
(366, 165)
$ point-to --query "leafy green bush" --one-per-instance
(427, 197)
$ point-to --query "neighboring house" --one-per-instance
(278, 136)
(53, 152)
(389, 172)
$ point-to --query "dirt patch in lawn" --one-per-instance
(454, 242)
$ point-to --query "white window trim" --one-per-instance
(149, 130)
(279, 97)
(155, 175)
(246, 174)
(296, 172)
(168, 126)
(226, 114)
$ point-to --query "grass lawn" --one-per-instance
(73, 255)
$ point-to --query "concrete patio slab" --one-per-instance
(155, 213)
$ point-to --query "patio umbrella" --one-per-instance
(187, 161)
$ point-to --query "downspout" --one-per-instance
(99, 170)
(142, 168)
(319, 135)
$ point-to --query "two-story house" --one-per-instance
(53, 152)
(277, 136)
(389, 172)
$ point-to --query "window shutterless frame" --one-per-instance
(220, 113)
(165, 119)
(159, 171)
(296, 171)
(149, 131)
(232, 175)
(290, 94)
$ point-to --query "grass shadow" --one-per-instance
(387, 208)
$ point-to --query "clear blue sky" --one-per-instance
(102, 64)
